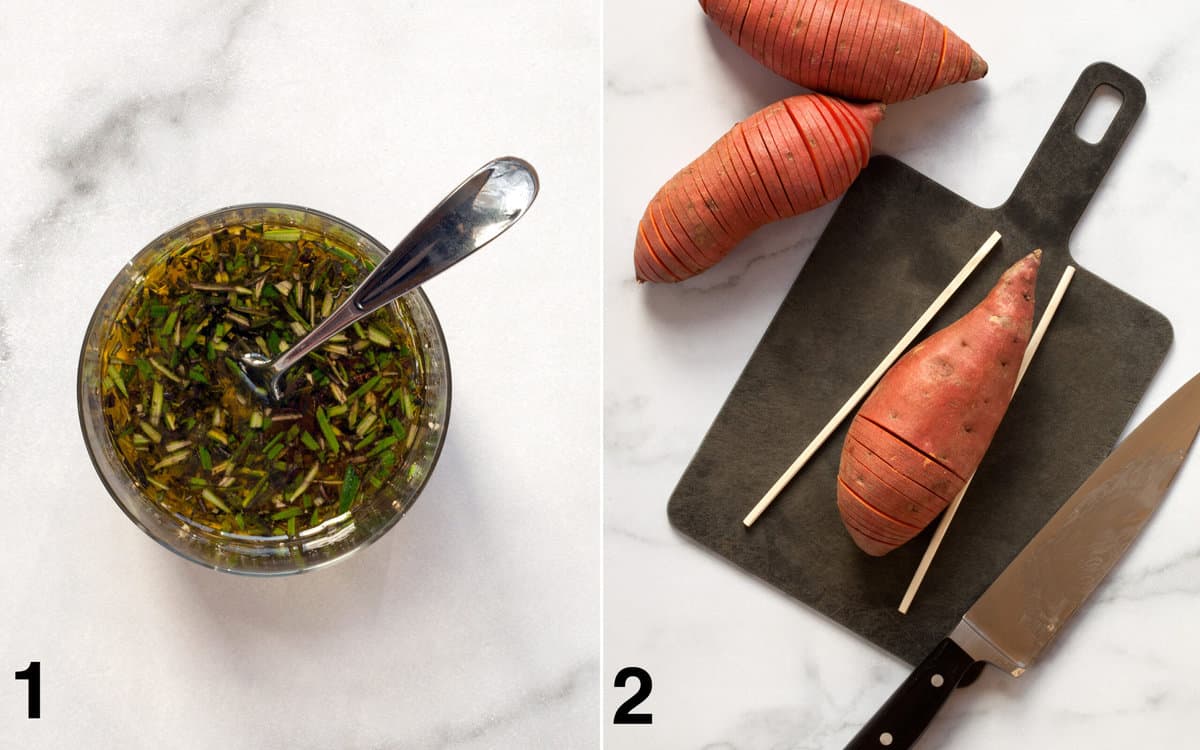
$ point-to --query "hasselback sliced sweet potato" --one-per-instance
(905, 459)
(788, 158)
(881, 50)
(892, 493)
(933, 415)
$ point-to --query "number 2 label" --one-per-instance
(624, 714)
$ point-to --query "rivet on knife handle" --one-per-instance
(908, 712)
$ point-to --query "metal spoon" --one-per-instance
(472, 215)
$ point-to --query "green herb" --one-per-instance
(114, 372)
(281, 235)
(309, 441)
(377, 336)
(349, 489)
(211, 496)
(331, 440)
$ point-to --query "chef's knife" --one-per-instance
(1042, 587)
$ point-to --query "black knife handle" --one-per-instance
(901, 720)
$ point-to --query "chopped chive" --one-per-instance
(294, 314)
(281, 235)
(218, 435)
(211, 497)
(397, 429)
(205, 458)
(256, 420)
(291, 527)
(366, 387)
(365, 441)
(339, 252)
(350, 485)
(304, 483)
(170, 324)
(151, 433)
(365, 424)
(383, 445)
(114, 372)
(166, 372)
(286, 514)
(331, 440)
(171, 460)
(156, 404)
(309, 441)
(377, 336)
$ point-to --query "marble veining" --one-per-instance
(482, 732)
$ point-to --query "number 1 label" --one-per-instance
(33, 673)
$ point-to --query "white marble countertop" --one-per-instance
(475, 623)
(739, 666)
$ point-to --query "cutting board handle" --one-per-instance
(1066, 170)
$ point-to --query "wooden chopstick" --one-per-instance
(948, 516)
(872, 379)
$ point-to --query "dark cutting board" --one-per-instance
(893, 244)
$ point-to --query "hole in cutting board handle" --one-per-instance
(1099, 113)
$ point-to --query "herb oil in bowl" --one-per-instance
(259, 487)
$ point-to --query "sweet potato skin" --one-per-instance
(789, 157)
(942, 402)
(873, 50)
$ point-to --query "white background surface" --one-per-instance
(475, 623)
(738, 666)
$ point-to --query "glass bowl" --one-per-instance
(376, 512)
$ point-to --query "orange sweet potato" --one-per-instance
(906, 460)
(893, 494)
(932, 416)
(881, 533)
(876, 50)
(790, 157)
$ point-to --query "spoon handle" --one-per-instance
(472, 215)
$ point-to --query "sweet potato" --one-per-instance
(933, 415)
(893, 494)
(868, 526)
(905, 459)
(878, 50)
(791, 157)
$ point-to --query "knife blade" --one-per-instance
(1026, 606)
